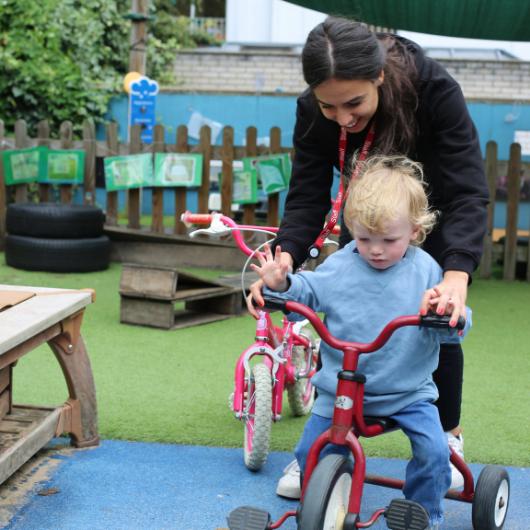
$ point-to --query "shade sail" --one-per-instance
(475, 19)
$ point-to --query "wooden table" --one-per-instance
(40, 315)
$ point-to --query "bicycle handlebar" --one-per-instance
(234, 228)
(429, 321)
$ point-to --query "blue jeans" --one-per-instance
(428, 475)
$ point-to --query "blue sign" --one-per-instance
(142, 99)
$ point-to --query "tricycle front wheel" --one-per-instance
(326, 499)
(492, 495)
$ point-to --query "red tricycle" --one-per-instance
(333, 487)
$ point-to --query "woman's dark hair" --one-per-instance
(343, 49)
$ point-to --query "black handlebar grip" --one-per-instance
(271, 304)
(432, 320)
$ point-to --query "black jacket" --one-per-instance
(446, 145)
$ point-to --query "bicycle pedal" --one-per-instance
(403, 514)
(248, 518)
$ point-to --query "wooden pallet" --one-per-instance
(165, 297)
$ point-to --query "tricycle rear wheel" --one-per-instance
(492, 495)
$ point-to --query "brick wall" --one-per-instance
(271, 72)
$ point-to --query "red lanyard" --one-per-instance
(314, 250)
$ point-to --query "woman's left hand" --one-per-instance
(448, 297)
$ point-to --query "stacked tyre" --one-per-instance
(56, 237)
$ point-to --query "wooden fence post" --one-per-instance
(3, 194)
(66, 136)
(227, 171)
(157, 203)
(273, 214)
(180, 192)
(21, 141)
(89, 145)
(43, 138)
(513, 189)
(251, 149)
(205, 146)
(113, 149)
(491, 175)
(133, 195)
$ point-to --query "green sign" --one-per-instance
(23, 165)
(178, 169)
(273, 171)
(127, 172)
(245, 187)
(63, 166)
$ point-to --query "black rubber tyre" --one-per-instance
(492, 497)
(58, 255)
(54, 221)
(325, 501)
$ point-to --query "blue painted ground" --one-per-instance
(140, 486)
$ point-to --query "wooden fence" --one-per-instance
(513, 250)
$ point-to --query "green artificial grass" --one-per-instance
(173, 386)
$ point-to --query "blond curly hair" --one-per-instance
(389, 187)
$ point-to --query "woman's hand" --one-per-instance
(448, 297)
(272, 272)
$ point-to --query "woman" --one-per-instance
(389, 98)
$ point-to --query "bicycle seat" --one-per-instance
(388, 424)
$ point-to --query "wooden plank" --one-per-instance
(148, 282)
(514, 184)
(157, 202)
(230, 303)
(227, 171)
(5, 377)
(273, 210)
(37, 314)
(113, 149)
(89, 145)
(491, 175)
(43, 134)
(21, 141)
(17, 450)
(133, 196)
(3, 198)
(147, 312)
(200, 293)
(5, 403)
(186, 319)
(66, 134)
(180, 192)
(205, 141)
(249, 210)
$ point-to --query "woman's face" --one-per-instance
(350, 103)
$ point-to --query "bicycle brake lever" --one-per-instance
(217, 228)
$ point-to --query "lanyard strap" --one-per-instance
(314, 250)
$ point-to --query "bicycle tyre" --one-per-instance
(257, 417)
(301, 394)
(326, 498)
(492, 498)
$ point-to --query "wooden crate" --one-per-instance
(168, 298)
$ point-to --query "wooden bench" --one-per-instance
(29, 317)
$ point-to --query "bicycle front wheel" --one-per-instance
(257, 417)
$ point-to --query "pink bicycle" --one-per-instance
(281, 358)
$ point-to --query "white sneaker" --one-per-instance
(457, 444)
(289, 484)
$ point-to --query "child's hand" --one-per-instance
(272, 270)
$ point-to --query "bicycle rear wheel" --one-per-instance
(301, 393)
(257, 417)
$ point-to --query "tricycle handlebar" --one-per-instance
(430, 321)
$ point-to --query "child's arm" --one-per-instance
(272, 270)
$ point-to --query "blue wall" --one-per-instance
(494, 121)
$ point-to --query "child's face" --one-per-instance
(383, 250)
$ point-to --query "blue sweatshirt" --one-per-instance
(358, 301)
